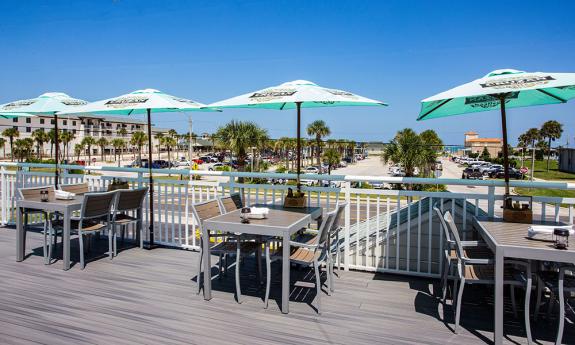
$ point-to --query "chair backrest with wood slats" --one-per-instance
(338, 217)
(324, 230)
(76, 188)
(129, 199)
(97, 205)
(34, 192)
(231, 202)
(454, 234)
(206, 210)
(449, 243)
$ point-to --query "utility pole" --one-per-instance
(190, 145)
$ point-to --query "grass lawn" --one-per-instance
(546, 192)
(553, 173)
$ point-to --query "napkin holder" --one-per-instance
(294, 199)
(518, 209)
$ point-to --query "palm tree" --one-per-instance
(332, 157)
(66, 139)
(88, 142)
(169, 143)
(122, 132)
(40, 137)
(532, 136)
(102, 143)
(52, 138)
(3, 146)
(23, 148)
(118, 145)
(78, 148)
(433, 145)
(406, 149)
(174, 135)
(318, 129)
(552, 131)
(138, 140)
(238, 136)
(159, 137)
(11, 133)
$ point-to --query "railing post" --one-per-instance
(347, 192)
(140, 179)
(4, 211)
(491, 201)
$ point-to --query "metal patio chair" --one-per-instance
(35, 193)
(561, 284)
(308, 255)
(482, 271)
(95, 216)
(76, 188)
(225, 244)
(128, 201)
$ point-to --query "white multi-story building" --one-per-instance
(82, 126)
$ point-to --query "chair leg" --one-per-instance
(110, 243)
(238, 258)
(199, 276)
(539, 294)
(328, 276)
(81, 241)
(513, 302)
(46, 253)
(268, 274)
(561, 312)
(317, 285)
(458, 307)
(444, 276)
(337, 251)
(116, 239)
(526, 308)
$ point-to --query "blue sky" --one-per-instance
(396, 51)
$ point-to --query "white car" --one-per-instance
(311, 170)
(215, 166)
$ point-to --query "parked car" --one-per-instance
(472, 173)
(163, 164)
(311, 170)
(513, 173)
(377, 184)
(494, 170)
(215, 166)
(342, 164)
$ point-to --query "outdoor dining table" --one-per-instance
(64, 207)
(280, 222)
(509, 240)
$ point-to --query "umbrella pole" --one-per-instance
(505, 146)
(298, 165)
(150, 179)
(56, 142)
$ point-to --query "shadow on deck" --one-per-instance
(149, 297)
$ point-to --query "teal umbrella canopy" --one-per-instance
(521, 89)
(139, 102)
(500, 90)
(288, 95)
(143, 101)
(46, 104)
(13, 115)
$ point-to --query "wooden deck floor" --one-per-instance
(147, 297)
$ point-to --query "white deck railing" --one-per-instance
(384, 230)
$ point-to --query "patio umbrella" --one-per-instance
(49, 103)
(142, 102)
(501, 89)
(296, 95)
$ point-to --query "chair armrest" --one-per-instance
(469, 261)
(473, 244)
(302, 245)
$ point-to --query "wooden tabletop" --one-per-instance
(512, 237)
(277, 217)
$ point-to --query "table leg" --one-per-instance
(285, 273)
(66, 240)
(207, 267)
(21, 236)
(498, 331)
(139, 237)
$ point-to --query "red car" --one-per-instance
(198, 161)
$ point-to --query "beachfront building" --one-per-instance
(81, 126)
(474, 144)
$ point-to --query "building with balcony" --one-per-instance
(474, 144)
